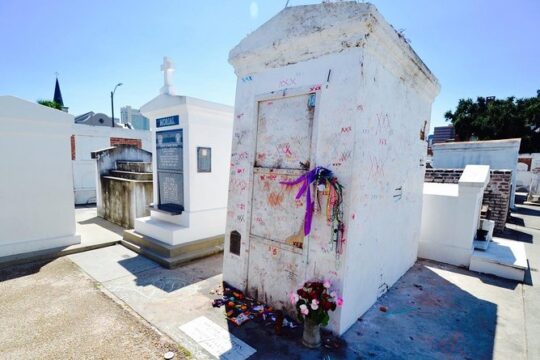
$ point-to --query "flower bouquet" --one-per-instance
(313, 303)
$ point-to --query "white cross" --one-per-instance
(167, 68)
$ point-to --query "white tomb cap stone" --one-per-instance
(301, 33)
(167, 67)
(475, 176)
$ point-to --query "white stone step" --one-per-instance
(503, 258)
(157, 229)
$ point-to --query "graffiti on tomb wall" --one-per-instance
(284, 129)
(275, 213)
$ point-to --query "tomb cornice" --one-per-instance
(289, 38)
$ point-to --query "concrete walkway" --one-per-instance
(524, 226)
(434, 311)
(95, 233)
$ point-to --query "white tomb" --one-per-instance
(85, 140)
(498, 154)
(191, 146)
(331, 85)
(451, 217)
(36, 186)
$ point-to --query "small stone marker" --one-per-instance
(216, 340)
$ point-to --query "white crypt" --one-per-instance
(191, 146)
(332, 93)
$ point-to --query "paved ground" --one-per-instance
(93, 229)
(433, 312)
(55, 311)
(525, 227)
(95, 233)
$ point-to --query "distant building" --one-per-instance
(443, 134)
(57, 98)
(96, 119)
(138, 121)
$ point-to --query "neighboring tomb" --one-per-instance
(124, 184)
(335, 86)
(496, 194)
(36, 187)
(192, 144)
(498, 154)
(453, 233)
(86, 139)
(527, 168)
(451, 217)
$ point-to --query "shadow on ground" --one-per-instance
(170, 280)
(10, 272)
(425, 316)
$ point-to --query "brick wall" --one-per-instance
(73, 147)
(496, 195)
(124, 141)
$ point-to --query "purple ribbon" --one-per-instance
(306, 180)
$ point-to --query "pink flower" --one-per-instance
(333, 294)
(294, 298)
(304, 309)
(327, 284)
(315, 304)
(339, 302)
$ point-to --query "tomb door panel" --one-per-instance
(170, 170)
(283, 153)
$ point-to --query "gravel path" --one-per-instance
(55, 311)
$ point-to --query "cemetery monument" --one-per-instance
(328, 157)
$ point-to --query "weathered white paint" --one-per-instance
(130, 197)
(373, 101)
(450, 217)
(36, 186)
(92, 138)
(204, 124)
(498, 154)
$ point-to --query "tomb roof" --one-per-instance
(301, 33)
(479, 145)
(164, 101)
(14, 108)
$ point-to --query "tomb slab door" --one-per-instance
(170, 170)
(283, 153)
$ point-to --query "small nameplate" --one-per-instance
(168, 121)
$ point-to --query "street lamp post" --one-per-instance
(112, 103)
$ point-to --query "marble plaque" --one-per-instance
(169, 163)
(216, 340)
(169, 149)
(171, 186)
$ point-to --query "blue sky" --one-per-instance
(474, 47)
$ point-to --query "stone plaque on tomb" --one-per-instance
(170, 170)
(168, 121)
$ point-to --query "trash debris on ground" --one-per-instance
(332, 342)
(217, 291)
(240, 308)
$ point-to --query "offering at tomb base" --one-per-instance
(314, 300)
(240, 309)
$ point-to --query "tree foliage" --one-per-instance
(50, 103)
(491, 119)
